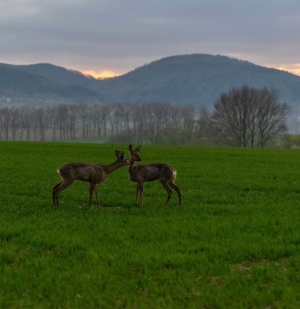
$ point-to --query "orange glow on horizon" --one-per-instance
(294, 69)
(291, 68)
(101, 75)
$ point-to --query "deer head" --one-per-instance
(134, 154)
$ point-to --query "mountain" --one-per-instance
(32, 88)
(58, 74)
(197, 79)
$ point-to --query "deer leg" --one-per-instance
(92, 190)
(137, 192)
(96, 196)
(141, 189)
(168, 189)
(62, 185)
(53, 192)
(173, 186)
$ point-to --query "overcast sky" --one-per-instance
(119, 36)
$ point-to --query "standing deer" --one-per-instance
(162, 172)
(92, 173)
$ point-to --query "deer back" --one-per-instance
(83, 171)
(151, 172)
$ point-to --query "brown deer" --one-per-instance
(162, 172)
(92, 173)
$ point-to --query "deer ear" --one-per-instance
(130, 147)
(138, 148)
(121, 155)
(117, 154)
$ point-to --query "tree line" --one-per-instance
(243, 117)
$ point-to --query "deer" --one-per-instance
(163, 172)
(89, 172)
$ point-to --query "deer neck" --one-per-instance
(131, 167)
(112, 167)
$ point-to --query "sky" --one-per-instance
(106, 38)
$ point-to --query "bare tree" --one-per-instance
(175, 117)
(97, 120)
(127, 120)
(272, 116)
(15, 121)
(203, 127)
(42, 120)
(62, 118)
(5, 122)
(22, 127)
(228, 117)
(105, 111)
(72, 117)
(187, 113)
(1, 124)
(83, 116)
(119, 112)
(249, 117)
(113, 119)
(53, 120)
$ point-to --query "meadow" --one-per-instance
(233, 243)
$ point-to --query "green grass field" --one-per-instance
(234, 242)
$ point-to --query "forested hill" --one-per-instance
(196, 79)
(30, 88)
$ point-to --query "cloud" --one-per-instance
(122, 35)
(15, 9)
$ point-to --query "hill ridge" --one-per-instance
(196, 79)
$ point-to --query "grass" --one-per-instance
(234, 243)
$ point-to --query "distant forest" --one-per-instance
(116, 123)
(243, 117)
